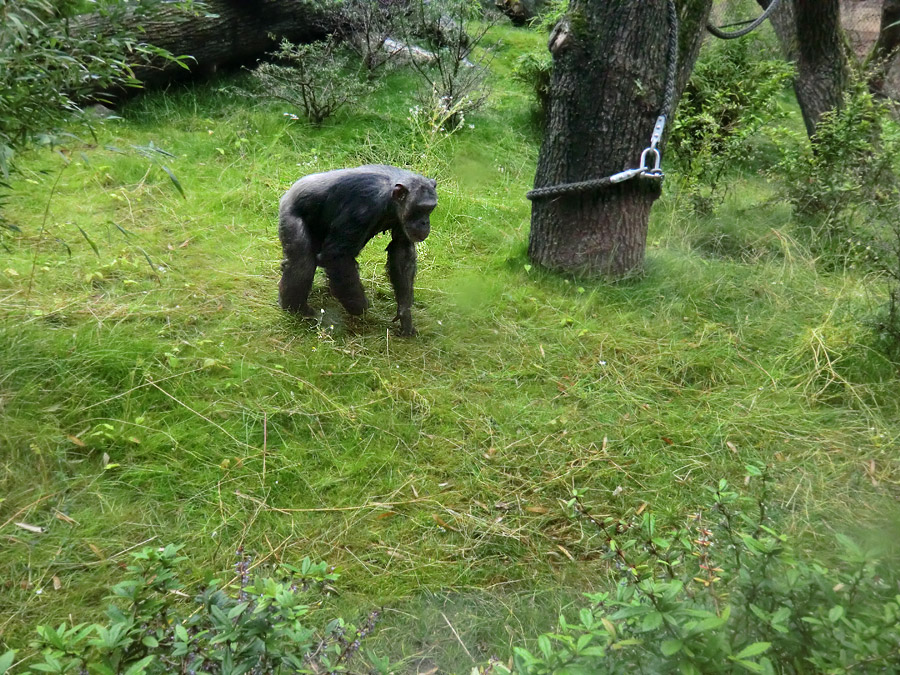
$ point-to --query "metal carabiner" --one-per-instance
(656, 171)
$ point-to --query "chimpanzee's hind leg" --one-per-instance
(343, 278)
(298, 268)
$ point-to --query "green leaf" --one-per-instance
(545, 646)
(835, 614)
(651, 622)
(6, 660)
(237, 609)
(711, 623)
(525, 655)
(670, 647)
(181, 632)
(849, 545)
(174, 180)
(755, 649)
(140, 666)
(147, 258)
(759, 612)
(587, 617)
(218, 614)
(575, 669)
(121, 229)
(89, 241)
(752, 666)
(583, 642)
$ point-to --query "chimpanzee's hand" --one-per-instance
(406, 324)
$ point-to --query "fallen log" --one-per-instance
(225, 34)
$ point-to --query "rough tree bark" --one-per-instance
(822, 69)
(811, 36)
(889, 34)
(886, 79)
(226, 33)
(606, 93)
(785, 27)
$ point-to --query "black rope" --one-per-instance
(752, 25)
(672, 72)
(665, 112)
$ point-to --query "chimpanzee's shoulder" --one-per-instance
(387, 170)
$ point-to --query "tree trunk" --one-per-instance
(889, 34)
(610, 60)
(226, 33)
(886, 79)
(785, 27)
(822, 69)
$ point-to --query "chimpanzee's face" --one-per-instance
(415, 202)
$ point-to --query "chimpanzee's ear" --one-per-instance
(398, 194)
(433, 182)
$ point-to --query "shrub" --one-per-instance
(844, 189)
(848, 170)
(317, 79)
(888, 323)
(48, 70)
(459, 70)
(425, 145)
(534, 70)
(549, 14)
(732, 94)
(371, 24)
(256, 624)
(725, 593)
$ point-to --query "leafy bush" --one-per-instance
(426, 144)
(845, 192)
(317, 79)
(255, 624)
(49, 68)
(534, 70)
(732, 94)
(459, 70)
(549, 14)
(849, 168)
(888, 324)
(371, 24)
(725, 593)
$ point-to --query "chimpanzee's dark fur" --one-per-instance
(326, 219)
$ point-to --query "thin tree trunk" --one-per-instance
(822, 69)
(606, 92)
(225, 33)
(785, 27)
(886, 79)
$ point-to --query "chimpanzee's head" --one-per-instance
(415, 199)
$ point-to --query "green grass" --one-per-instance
(155, 392)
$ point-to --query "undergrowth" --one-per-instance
(151, 391)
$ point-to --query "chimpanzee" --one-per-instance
(325, 219)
